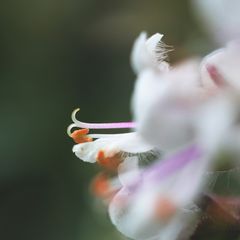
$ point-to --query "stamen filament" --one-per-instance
(105, 135)
(116, 125)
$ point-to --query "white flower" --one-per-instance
(191, 113)
(106, 147)
(172, 109)
(166, 104)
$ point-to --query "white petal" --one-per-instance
(213, 60)
(130, 142)
(152, 43)
(132, 218)
(166, 117)
(227, 62)
(133, 143)
(218, 126)
(88, 151)
(128, 171)
(214, 122)
(138, 52)
(146, 92)
(144, 54)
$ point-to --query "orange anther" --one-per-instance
(80, 136)
(110, 163)
(165, 209)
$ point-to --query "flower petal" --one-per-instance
(128, 142)
(166, 119)
(226, 61)
(128, 171)
(88, 151)
(145, 53)
(133, 211)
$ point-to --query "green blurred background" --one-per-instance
(56, 56)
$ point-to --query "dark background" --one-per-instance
(56, 56)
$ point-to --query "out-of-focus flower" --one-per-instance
(165, 101)
(157, 203)
(220, 17)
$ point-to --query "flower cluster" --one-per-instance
(184, 116)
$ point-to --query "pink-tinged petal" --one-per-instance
(221, 68)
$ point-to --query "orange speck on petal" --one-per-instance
(110, 163)
(165, 209)
(100, 185)
(100, 155)
(80, 136)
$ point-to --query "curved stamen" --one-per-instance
(116, 125)
(69, 129)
